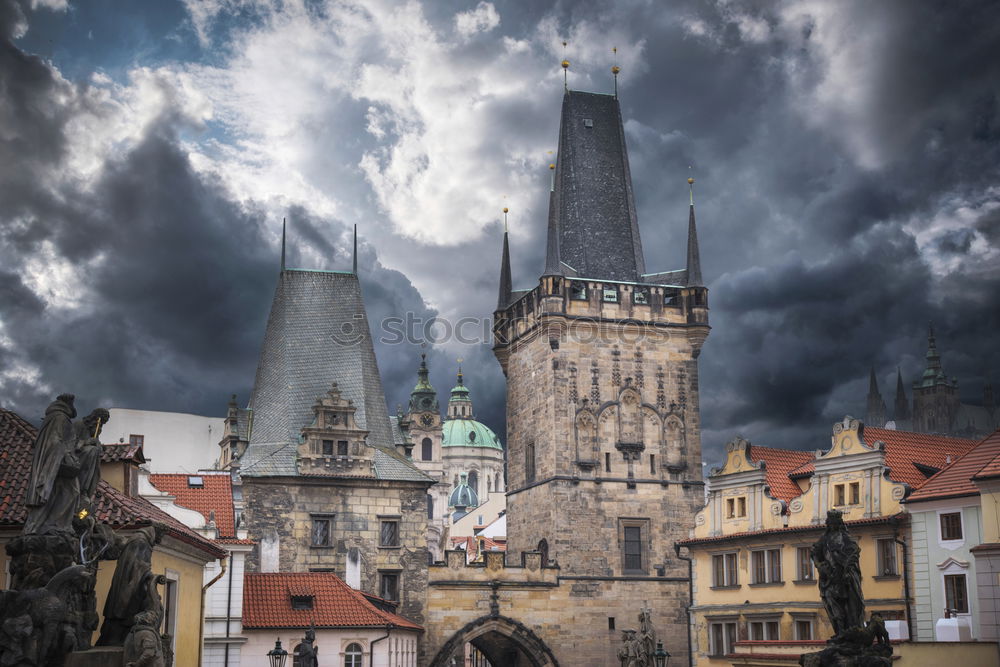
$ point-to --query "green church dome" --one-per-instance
(463, 495)
(469, 433)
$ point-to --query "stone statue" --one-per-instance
(647, 638)
(87, 433)
(130, 591)
(835, 555)
(306, 653)
(628, 653)
(143, 647)
(876, 626)
(53, 487)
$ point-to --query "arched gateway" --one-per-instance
(503, 640)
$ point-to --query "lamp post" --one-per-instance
(662, 657)
(277, 656)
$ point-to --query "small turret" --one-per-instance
(503, 299)
(693, 255)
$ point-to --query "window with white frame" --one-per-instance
(722, 637)
(803, 628)
(765, 566)
(956, 595)
(951, 525)
(804, 564)
(353, 655)
(886, 552)
(724, 570)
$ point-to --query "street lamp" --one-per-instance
(277, 656)
(661, 656)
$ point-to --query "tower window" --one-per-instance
(430, 506)
(426, 449)
(341, 448)
(321, 531)
(389, 534)
(389, 588)
(529, 462)
(578, 291)
(328, 448)
(640, 296)
(588, 122)
(609, 295)
(607, 462)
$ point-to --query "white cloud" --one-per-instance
(483, 18)
(53, 5)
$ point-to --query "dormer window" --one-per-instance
(640, 296)
(588, 122)
(302, 602)
(609, 295)
(196, 482)
(578, 291)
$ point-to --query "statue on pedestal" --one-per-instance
(307, 653)
(130, 592)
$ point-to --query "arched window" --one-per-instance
(474, 481)
(426, 449)
(353, 655)
(543, 548)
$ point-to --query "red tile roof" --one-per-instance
(778, 463)
(956, 480)
(215, 495)
(991, 469)
(900, 517)
(111, 506)
(903, 449)
(267, 603)
(122, 451)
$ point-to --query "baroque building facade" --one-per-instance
(449, 449)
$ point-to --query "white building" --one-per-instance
(172, 441)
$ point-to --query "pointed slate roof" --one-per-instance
(593, 224)
(693, 255)
(317, 333)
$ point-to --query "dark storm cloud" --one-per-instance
(824, 148)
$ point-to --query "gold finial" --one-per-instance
(565, 66)
(615, 68)
(690, 181)
(505, 209)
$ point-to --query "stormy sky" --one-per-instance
(846, 157)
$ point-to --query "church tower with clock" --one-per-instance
(449, 449)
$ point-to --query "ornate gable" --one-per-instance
(333, 444)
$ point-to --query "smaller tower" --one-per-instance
(935, 397)
(901, 409)
(875, 413)
(460, 404)
(503, 298)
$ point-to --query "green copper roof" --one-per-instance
(469, 433)
(463, 495)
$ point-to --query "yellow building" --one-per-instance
(754, 583)
(180, 557)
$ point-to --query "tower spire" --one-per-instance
(282, 244)
(693, 255)
(355, 267)
(901, 409)
(503, 298)
(876, 406)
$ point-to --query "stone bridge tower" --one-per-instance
(604, 448)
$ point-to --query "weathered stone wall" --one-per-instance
(287, 505)
(570, 616)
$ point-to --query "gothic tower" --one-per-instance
(935, 397)
(875, 413)
(604, 447)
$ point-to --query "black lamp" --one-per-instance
(661, 656)
(277, 656)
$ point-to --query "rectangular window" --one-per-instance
(321, 532)
(724, 570)
(136, 439)
(389, 534)
(723, 638)
(529, 462)
(578, 291)
(341, 448)
(766, 566)
(741, 506)
(955, 593)
(328, 448)
(170, 606)
(633, 548)
(640, 296)
(886, 549)
(839, 496)
(730, 508)
(389, 585)
(764, 631)
(609, 294)
(430, 506)
(951, 526)
(805, 565)
(302, 602)
(607, 462)
(855, 493)
(803, 630)
(652, 464)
